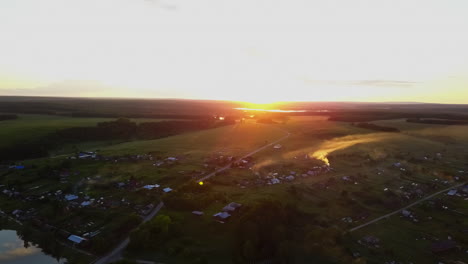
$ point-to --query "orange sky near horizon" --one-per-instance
(256, 51)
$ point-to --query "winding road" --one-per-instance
(206, 177)
(404, 208)
(116, 253)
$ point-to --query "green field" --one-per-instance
(320, 202)
(353, 152)
(28, 128)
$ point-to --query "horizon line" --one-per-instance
(222, 100)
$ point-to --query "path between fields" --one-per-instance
(206, 177)
(116, 254)
(406, 207)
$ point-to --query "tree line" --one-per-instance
(120, 129)
(8, 117)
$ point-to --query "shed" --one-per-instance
(71, 197)
(452, 192)
(222, 215)
(76, 239)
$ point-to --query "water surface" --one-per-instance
(13, 251)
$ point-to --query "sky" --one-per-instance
(246, 50)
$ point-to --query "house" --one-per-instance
(71, 197)
(406, 213)
(197, 213)
(222, 216)
(275, 181)
(443, 246)
(371, 240)
(290, 178)
(231, 207)
(151, 186)
(86, 203)
(76, 239)
(17, 213)
(86, 155)
(452, 192)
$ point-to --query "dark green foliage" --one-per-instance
(192, 196)
(265, 233)
(120, 129)
(8, 117)
(152, 234)
(376, 127)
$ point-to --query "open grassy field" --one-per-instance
(364, 183)
(230, 140)
(376, 187)
(28, 128)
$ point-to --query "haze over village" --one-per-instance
(262, 132)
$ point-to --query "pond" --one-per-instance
(13, 251)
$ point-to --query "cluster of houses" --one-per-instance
(273, 178)
(157, 161)
(221, 160)
(226, 212)
(460, 192)
(166, 162)
(370, 241)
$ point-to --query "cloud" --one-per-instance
(373, 83)
(16, 250)
(66, 88)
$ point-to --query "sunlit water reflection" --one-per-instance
(13, 251)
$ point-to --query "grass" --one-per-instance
(357, 152)
(28, 128)
(229, 140)
(352, 151)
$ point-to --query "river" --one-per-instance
(13, 251)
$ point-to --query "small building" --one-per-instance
(222, 216)
(452, 192)
(371, 240)
(406, 213)
(231, 207)
(76, 239)
(86, 203)
(86, 155)
(151, 186)
(277, 146)
(167, 189)
(17, 213)
(71, 197)
(275, 181)
(197, 213)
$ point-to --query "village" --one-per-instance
(74, 197)
(92, 196)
